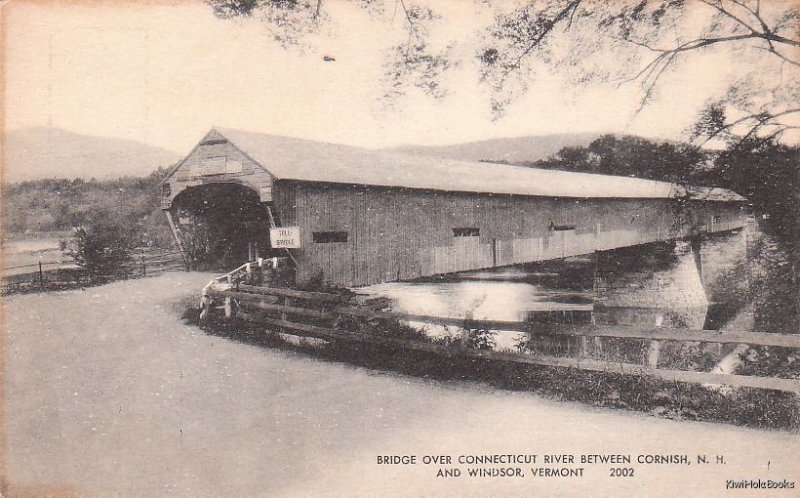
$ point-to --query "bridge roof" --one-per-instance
(713, 194)
(305, 160)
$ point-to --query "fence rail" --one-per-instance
(49, 274)
(286, 308)
(138, 256)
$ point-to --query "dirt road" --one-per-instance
(109, 393)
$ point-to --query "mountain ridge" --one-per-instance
(44, 152)
(512, 149)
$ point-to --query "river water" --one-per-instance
(738, 280)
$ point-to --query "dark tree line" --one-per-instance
(631, 156)
(768, 174)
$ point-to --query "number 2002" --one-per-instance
(620, 472)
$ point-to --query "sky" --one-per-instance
(163, 74)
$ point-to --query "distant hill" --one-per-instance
(42, 152)
(530, 148)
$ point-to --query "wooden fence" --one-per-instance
(51, 274)
(292, 310)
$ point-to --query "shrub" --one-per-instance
(482, 339)
(104, 251)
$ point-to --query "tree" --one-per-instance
(768, 174)
(648, 38)
(631, 156)
(622, 42)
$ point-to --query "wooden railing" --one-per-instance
(233, 279)
(291, 309)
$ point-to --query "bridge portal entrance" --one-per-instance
(221, 226)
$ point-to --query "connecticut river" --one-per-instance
(739, 280)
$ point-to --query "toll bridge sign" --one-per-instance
(285, 237)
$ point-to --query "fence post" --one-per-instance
(205, 305)
(229, 308)
(41, 275)
(465, 330)
(652, 354)
(597, 344)
(287, 301)
(144, 267)
(585, 347)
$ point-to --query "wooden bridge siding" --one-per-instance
(252, 175)
(402, 234)
(728, 218)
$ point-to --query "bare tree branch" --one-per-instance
(771, 49)
(566, 12)
(698, 43)
(651, 86)
(759, 120)
(317, 10)
(780, 39)
(718, 6)
(405, 11)
(755, 14)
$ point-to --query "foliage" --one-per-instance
(415, 63)
(771, 361)
(768, 174)
(772, 281)
(630, 156)
(646, 38)
(289, 20)
(103, 251)
(61, 204)
(481, 338)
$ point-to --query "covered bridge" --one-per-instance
(360, 217)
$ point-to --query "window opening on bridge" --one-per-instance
(214, 141)
(560, 228)
(466, 232)
(328, 237)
